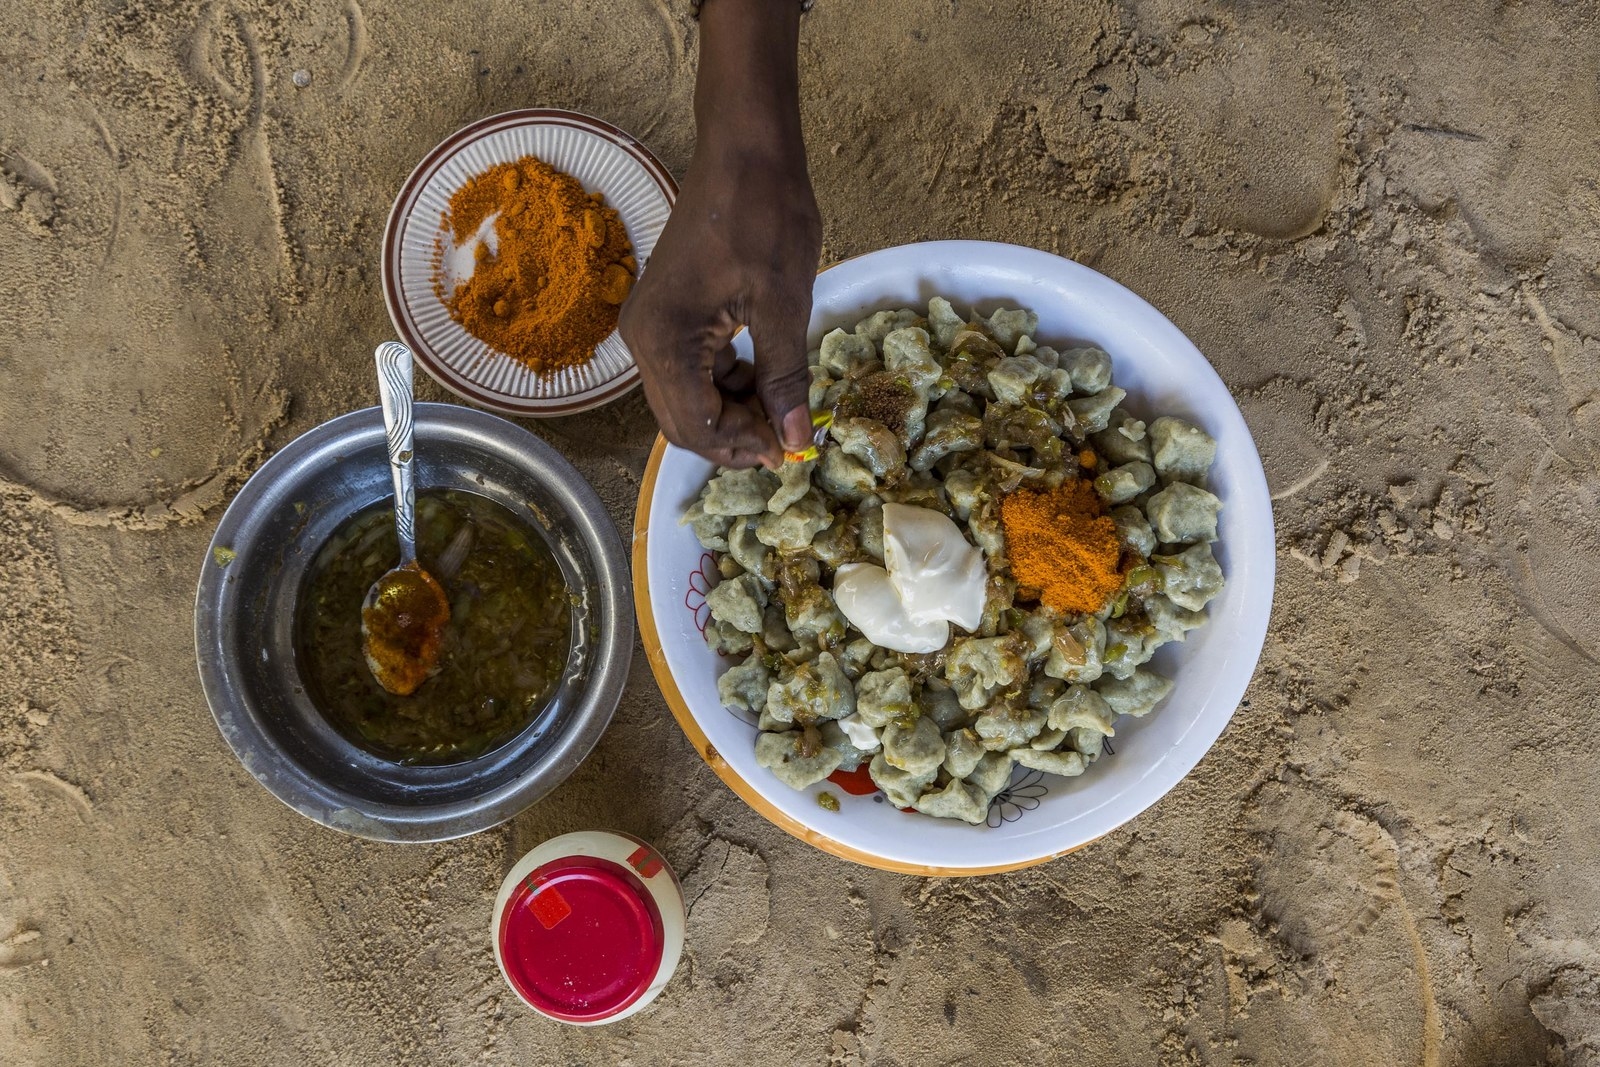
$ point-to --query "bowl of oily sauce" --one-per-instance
(536, 652)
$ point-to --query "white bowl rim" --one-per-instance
(1256, 548)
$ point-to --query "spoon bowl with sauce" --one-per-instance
(406, 611)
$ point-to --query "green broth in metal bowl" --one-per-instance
(505, 647)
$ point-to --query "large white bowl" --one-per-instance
(1041, 816)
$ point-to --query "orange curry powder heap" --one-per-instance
(562, 267)
(1061, 543)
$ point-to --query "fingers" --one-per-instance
(678, 323)
(701, 398)
(740, 436)
(708, 406)
(742, 432)
(734, 376)
(735, 457)
(728, 429)
(783, 380)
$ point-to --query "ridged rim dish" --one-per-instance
(407, 269)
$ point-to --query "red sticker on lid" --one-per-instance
(645, 861)
(549, 906)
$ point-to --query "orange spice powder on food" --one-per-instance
(1061, 543)
(562, 267)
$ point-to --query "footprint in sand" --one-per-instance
(1332, 963)
(1558, 566)
(727, 896)
(24, 948)
(1266, 156)
(227, 59)
(1290, 424)
(1557, 563)
(170, 390)
(1569, 1006)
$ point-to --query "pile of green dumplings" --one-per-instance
(950, 413)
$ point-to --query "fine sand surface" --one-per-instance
(1378, 220)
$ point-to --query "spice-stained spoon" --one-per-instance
(406, 610)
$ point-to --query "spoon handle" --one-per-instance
(394, 389)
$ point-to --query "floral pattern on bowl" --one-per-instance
(1022, 795)
(701, 581)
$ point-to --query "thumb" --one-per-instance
(783, 379)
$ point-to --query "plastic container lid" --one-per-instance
(581, 938)
(588, 927)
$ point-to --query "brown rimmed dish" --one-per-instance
(601, 157)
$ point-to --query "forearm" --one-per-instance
(747, 93)
(739, 251)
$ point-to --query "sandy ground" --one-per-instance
(1378, 220)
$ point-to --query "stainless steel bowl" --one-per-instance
(245, 621)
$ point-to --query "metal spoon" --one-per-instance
(405, 612)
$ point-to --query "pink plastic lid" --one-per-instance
(581, 938)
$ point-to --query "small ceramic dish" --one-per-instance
(1039, 816)
(598, 155)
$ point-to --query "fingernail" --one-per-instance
(797, 429)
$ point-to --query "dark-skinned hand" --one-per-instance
(740, 250)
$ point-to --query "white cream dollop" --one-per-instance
(936, 572)
(860, 734)
(869, 600)
(934, 578)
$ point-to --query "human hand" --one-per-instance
(740, 250)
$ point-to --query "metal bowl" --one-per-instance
(246, 607)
